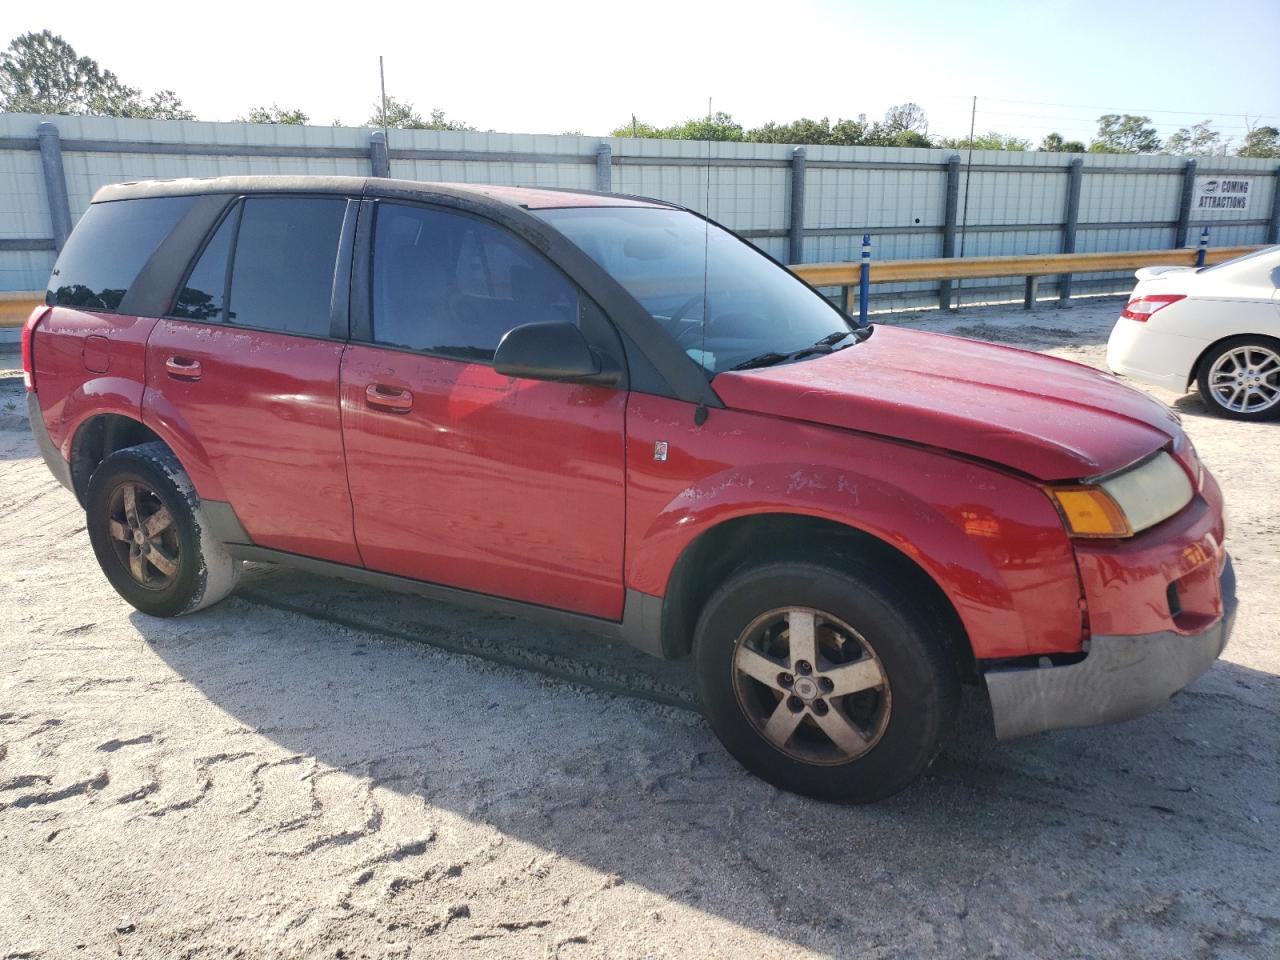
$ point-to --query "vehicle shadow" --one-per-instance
(1096, 839)
(1193, 405)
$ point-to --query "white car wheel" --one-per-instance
(1240, 378)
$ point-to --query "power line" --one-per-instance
(1138, 110)
(1077, 119)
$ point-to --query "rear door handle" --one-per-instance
(183, 368)
(383, 397)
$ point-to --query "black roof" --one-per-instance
(530, 198)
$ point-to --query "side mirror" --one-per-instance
(550, 351)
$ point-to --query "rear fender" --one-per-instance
(93, 398)
(161, 416)
(124, 398)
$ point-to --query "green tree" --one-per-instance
(806, 131)
(399, 115)
(120, 101)
(991, 140)
(1261, 142)
(639, 129)
(1053, 143)
(880, 135)
(438, 121)
(403, 115)
(803, 130)
(42, 73)
(903, 126)
(850, 133)
(718, 126)
(1199, 140)
(906, 118)
(1127, 133)
(274, 114)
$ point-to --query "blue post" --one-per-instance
(1204, 247)
(864, 280)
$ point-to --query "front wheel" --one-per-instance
(1240, 378)
(150, 535)
(833, 683)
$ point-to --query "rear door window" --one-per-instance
(109, 246)
(453, 284)
(286, 250)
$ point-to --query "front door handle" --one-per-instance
(383, 397)
(183, 368)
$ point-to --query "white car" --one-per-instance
(1218, 327)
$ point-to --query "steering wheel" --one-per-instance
(677, 315)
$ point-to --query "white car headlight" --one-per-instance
(1150, 492)
(1127, 502)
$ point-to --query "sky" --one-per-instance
(545, 67)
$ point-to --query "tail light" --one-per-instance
(28, 356)
(1142, 308)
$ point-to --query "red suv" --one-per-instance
(611, 412)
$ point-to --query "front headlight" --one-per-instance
(1127, 502)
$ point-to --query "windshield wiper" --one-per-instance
(762, 360)
(826, 345)
(831, 339)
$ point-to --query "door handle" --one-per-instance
(182, 368)
(388, 398)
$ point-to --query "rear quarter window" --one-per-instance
(109, 246)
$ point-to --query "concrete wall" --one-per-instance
(1006, 203)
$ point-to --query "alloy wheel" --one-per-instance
(144, 535)
(1246, 379)
(811, 685)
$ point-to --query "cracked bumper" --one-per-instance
(1121, 678)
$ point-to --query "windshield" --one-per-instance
(722, 301)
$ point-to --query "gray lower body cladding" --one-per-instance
(53, 459)
(1121, 678)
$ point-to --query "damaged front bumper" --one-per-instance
(1120, 678)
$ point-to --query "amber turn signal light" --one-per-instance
(1090, 512)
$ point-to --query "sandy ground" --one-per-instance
(317, 769)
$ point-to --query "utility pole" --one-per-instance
(968, 181)
(382, 77)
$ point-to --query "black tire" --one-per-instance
(909, 639)
(1215, 402)
(181, 568)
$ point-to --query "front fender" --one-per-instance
(992, 542)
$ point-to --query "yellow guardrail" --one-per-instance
(1032, 265)
(14, 307)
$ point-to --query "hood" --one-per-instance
(1049, 418)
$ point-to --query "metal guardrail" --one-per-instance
(1032, 266)
(14, 307)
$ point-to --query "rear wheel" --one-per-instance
(833, 682)
(1240, 378)
(150, 536)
